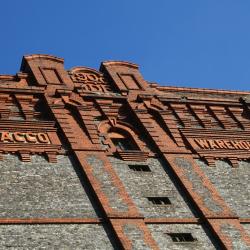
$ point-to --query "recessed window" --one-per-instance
(159, 200)
(98, 118)
(124, 144)
(140, 168)
(182, 237)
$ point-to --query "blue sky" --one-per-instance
(193, 43)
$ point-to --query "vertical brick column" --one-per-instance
(230, 232)
(212, 208)
(118, 208)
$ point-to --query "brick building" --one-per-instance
(106, 160)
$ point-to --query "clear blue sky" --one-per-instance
(193, 43)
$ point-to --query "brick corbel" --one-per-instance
(25, 156)
(51, 156)
(25, 102)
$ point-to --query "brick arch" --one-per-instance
(83, 69)
(122, 128)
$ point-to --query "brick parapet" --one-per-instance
(167, 115)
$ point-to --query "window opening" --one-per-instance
(140, 168)
(182, 237)
(159, 200)
(124, 144)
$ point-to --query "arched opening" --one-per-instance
(122, 140)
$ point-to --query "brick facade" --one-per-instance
(106, 160)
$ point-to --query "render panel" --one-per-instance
(39, 189)
(62, 236)
(232, 184)
(156, 183)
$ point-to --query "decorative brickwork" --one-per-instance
(106, 160)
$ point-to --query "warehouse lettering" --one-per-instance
(27, 137)
(222, 144)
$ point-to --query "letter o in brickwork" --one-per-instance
(42, 138)
(92, 77)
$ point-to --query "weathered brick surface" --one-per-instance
(108, 187)
(136, 236)
(63, 236)
(141, 185)
(232, 183)
(235, 236)
(42, 189)
(198, 185)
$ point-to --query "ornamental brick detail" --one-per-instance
(89, 80)
(120, 161)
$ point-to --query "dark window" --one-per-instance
(98, 118)
(141, 168)
(124, 144)
(182, 237)
(159, 200)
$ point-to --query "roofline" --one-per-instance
(199, 90)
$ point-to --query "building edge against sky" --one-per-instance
(106, 160)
